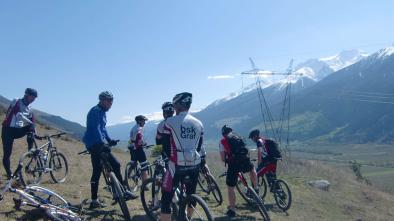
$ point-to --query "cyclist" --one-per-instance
(266, 160)
(168, 111)
(137, 144)
(234, 167)
(18, 122)
(183, 143)
(97, 140)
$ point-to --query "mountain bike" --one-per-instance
(151, 198)
(113, 185)
(278, 187)
(250, 195)
(55, 206)
(208, 184)
(44, 159)
(133, 173)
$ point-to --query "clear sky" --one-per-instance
(146, 51)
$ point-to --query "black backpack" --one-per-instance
(237, 146)
(273, 148)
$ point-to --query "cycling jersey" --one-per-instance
(18, 114)
(136, 137)
(225, 147)
(96, 133)
(263, 151)
(186, 138)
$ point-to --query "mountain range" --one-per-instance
(347, 97)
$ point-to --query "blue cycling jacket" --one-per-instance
(95, 127)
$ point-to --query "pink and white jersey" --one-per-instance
(18, 114)
(136, 136)
(186, 134)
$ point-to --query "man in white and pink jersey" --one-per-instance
(183, 143)
(137, 144)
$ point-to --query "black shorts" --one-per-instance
(234, 168)
(138, 155)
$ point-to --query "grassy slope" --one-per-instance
(346, 200)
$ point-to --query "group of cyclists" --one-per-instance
(180, 135)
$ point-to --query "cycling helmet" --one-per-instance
(31, 91)
(140, 118)
(254, 133)
(167, 107)
(106, 95)
(226, 129)
(184, 98)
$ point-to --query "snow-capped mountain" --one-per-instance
(344, 59)
(312, 69)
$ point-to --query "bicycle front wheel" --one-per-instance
(32, 169)
(259, 203)
(151, 198)
(59, 167)
(131, 178)
(214, 188)
(200, 210)
(202, 182)
(262, 187)
(282, 195)
(117, 192)
(243, 191)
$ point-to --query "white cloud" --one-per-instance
(220, 77)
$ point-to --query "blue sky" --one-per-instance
(146, 51)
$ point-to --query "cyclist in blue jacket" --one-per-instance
(97, 140)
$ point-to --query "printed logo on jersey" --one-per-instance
(188, 132)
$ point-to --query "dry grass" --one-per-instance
(346, 200)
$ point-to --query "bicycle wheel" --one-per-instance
(200, 209)
(262, 187)
(59, 167)
(46, 196)
(214, 188)
(131, 178)
(117, 192)
(259, 203)
(151, 198)
(243, 191)
(32, 169)
(282, 195)
(62, 215)
(202, 182)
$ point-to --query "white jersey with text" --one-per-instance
(186, 137)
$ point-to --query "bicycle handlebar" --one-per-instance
(49, 136)
(108, 145)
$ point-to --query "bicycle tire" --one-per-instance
(242, 190)
(55, 164)
(117, 191)
(202, 182)
(280, 193)
(151, 202)
(32, 161)
(262, 183)
(260, 205)
(214, 188)
(195, 198)
(46, 196)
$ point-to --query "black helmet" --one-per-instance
(226, 129)
(31, 91)
(254, 133)
(140, 118)
(167, 107)
(184, 98)
(106, 95)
